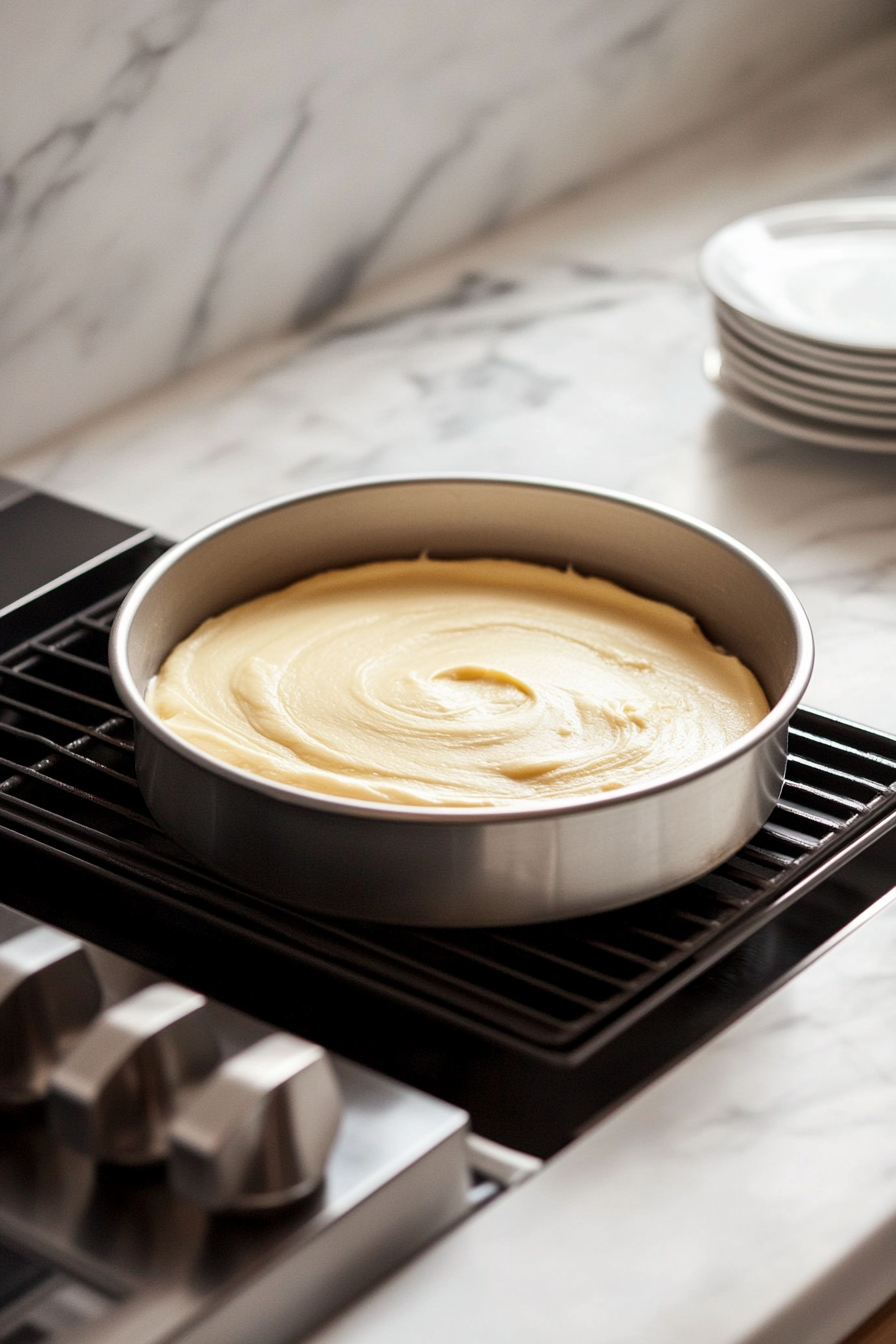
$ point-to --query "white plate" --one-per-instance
(825, 270)
(808, 401)
(820, 415)
(879, 395)
(734, 372)
(794, 426)
(829, 358)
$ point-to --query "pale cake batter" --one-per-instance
(455, 683)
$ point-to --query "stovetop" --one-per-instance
(536, 1031)
(172, 1169)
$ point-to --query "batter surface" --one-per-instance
(455, 683)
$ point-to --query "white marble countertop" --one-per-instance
(747, 1197)
(760, 1172)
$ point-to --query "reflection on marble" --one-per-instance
(569, 347)
(177, 176)
(747, 1197)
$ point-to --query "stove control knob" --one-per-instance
(258, 1134)
(49, 993)
(113, 1095)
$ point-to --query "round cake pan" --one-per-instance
(470, 866)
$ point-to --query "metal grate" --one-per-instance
(67, 781)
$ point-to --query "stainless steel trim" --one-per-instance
(505, 1165)
(129, 544)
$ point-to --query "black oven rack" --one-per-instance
(556, 991)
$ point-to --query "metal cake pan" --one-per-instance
(465, 867)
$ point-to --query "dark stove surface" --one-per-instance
(535, 1030)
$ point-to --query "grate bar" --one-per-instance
(709, 924)
(725, 887)
(55, 750)
(804, 842)
(74, 659)
(633, 957)
(439, 945)
(839, 782)
(40, 776)
(589, 1002)
(870, 766)
(100, 626)
(771, 856)
(662, 938)
(29, 679)
(101, 734)
(462, 989)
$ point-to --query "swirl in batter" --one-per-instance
(455, 683)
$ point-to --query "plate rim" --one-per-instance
(778, 420)
(812, 375)
(766, 384)
(875, 368)
(881, 209)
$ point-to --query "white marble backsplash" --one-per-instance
(179, 176)
(568, 346)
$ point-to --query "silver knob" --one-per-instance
(48, 993)
(257, 1135)
(113, 1095)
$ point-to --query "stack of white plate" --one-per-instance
(805, 305)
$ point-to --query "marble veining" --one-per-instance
(180, 176)
(569, 347)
